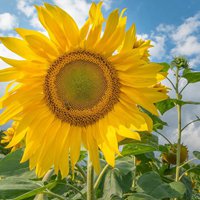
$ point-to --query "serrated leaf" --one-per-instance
(164, 106)
(153, 185)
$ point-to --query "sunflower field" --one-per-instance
(86, 111)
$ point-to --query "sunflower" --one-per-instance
(77, 87)
(9, 134)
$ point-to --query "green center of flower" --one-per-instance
(81, 84)
(81, 87)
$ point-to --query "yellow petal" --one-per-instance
(123, 131)
(9, 74)
(62, 143)
(93, 148)
(37, 41)
(139, 99)
(96, 19)
(54, 30)
(19, 47)
(129, 40)
(75, 145)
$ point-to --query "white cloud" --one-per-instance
(158, 50)
(183, 39)
(78, 9)
(165, 28)
(7, 21)
(142, 36)
(188, 47)
(190, 26)
(25, 7)
(34, 21)
(107, 4)
(158, 42)
(186, 40)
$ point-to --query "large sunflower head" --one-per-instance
(77, 87)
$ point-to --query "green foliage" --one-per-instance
(165, 105)
(192, 77)
(166, 67)
(152, 184)
(148, 143)
(196, 154)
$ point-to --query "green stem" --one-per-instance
(188, 162)
(179, 128)
(164, 137)
(196, 120)
(171, 83)
(135, 173)
(46, 177)
(184, 87)
(185, 172)
(90, 177)
(100, 176)
(54, 195)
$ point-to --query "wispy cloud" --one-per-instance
(78, 9)
(8, 21)
(184, 39)
(26, 7)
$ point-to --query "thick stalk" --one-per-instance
(179, 127)
(90, 179)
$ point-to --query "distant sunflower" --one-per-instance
(8, 136)
(77, 86)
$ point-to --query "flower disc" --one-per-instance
(81, 87)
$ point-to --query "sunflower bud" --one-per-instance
(180, 62)
(170, 156)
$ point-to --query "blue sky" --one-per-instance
(172, 25)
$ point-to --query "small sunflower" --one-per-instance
(9, 134)
(77, 86)
(170, 156)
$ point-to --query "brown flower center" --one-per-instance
(81, 87)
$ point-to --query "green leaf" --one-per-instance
(124, 165)
(165, 105)
(153, 185)
(118, 180)
(188, 184)
(15, 186)
(140, 196)
(166, 67)
(137, 149)
(148, 143)
(196, 154)
(192, 77)
(10, 166)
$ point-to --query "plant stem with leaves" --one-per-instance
(178, 153)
